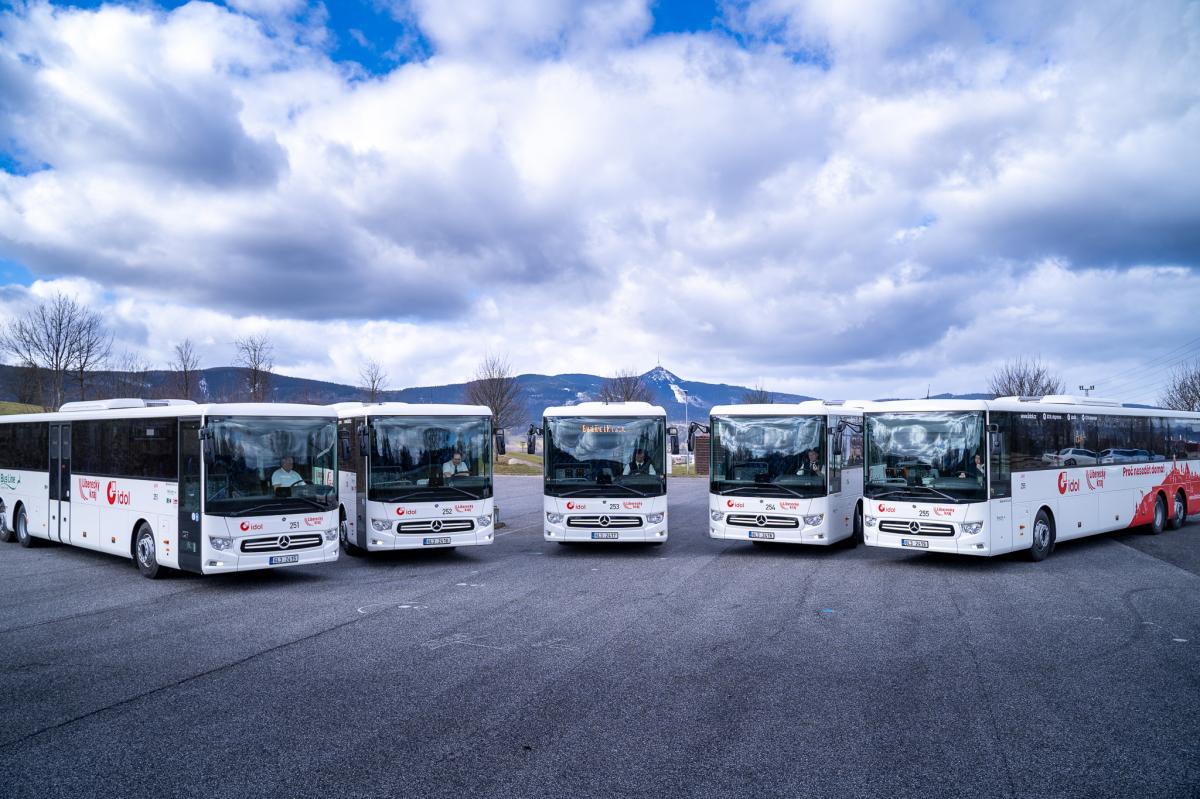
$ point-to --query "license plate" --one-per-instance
(284, 559)
(605, 536)
(914, 542)
(762, 534)
(433, 542)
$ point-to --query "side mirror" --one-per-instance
(997, 442)
(500, 446)
(837, 446)
(674, 443)
(363, 444)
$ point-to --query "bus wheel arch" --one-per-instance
(1043, 534)
(856, 525)
(133, 536)
(1179, 513)
(348, 546)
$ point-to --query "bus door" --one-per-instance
(59, 528)
(190, 527)
(1000, 504)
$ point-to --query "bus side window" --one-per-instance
(1000, 466)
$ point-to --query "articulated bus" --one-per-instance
(173, 484)
(1016, 473)
(414, 476)
(605, 472)
(788, 473)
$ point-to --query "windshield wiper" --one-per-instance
(767, 487)
(435, 490)
(604, 490)
(915, 490)
(279, 505)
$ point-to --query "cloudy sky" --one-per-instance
(836, 199)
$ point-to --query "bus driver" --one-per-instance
(455, 466)
(285, 476)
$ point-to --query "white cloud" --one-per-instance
(856, 203)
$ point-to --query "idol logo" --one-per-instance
(1067, 485)
(115, 496)
(886, 508)
(1095, 479)
(576, 506)
(729, 503)
(570, 506)
(246, 527)
(406, 511)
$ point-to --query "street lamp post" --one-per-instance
(687, 459)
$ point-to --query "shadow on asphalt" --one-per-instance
(586, 548)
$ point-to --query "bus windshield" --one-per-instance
(430, 458)
(936, 456)
(769, 455)
(600, 456)
(258, 465)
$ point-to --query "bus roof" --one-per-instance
(606, 409)
(353, 410)
(1058, 403)
(124, 410)
(806, 408)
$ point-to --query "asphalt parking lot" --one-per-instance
(532, 669)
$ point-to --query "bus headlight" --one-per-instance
(381, 525)
(554, 518)
(715, 515)
(971, 528)
(869, 521)
(814, 519)
(484, 521)
(331, 534)
(220, 544)
(654, 518)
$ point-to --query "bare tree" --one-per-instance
(93, 344)
(256, 354)
(184, 365)
(495, 387)
(372, 380)
(1025, 378)
(625, 386)
(128, 377)
(1182, 392)
(57, 338)
(757, 396)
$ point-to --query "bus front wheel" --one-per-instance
(144, 553)
(1180, 517)
(7, 534)
(350, 549)
(1043, 537)
(1159, 522)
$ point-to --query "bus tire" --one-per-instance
(7, 534)
(21, 526)
(145, 555)
(353, 550)
(1159, 522)
(1179, 518)
(1043, 537)
(856, 531)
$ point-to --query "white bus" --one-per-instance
(173, 484)
(989, 477)
(787, 473)
(605, 472)
(414, 476)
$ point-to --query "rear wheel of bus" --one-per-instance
(22, 525)
(1159, 522)
(1179, 518)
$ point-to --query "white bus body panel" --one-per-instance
(242, 529)
(576, 511)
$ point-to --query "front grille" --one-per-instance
(282, 543)
(922, 528)
(759, 520)
(610, 522)
(436, 526)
